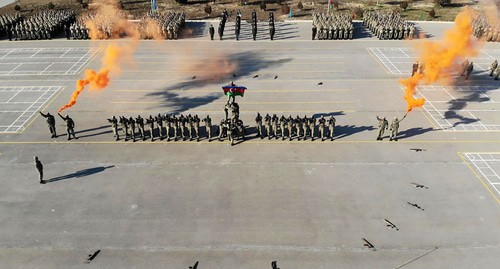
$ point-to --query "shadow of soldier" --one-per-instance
(81, 173)
(347, 130)
(413, 132)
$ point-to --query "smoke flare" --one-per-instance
(440, 58)
(114, 54)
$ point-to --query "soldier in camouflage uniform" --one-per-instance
(394, 129)
(159, 122)
(289, 126)
(196, 121)
(114, 126)
(305, 124)
(208, 127)
(140, 125)
(312, 127)
(382, 126)
(282, 127)
(274, 122)
(151, 124)
(258, 122)
(131, 121)
(331, 127)
(123, 124)
(70, 126)
(267, 124)
(51, 122)
(322, 122)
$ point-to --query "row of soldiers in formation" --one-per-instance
(388, 25)
(485, 28)
(237, 26)
(188, 127)
(330, 26)
(173, 127)
(43, 25)
(290, 127)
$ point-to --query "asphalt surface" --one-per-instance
(305, 204)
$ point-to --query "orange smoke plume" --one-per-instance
(441, 57)
(108, 22)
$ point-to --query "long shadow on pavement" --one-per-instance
(347, 130)
(81, 173)
(413, 132)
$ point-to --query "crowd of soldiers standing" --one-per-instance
(167, 25)
(289, 127)
(332, 25)
(77, 29)
(388, 25)
(6, 22)
(43, 25)
(483, 28)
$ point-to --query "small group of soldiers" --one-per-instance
(222, 24)
(417, 68)
(331, 26)
(51, 122)
(237, 26)
(388, 25)
(466, 69)
(43, 25)
(486, 29)
(383, 125)
(166, 126)
(167, 25)
(302, 128)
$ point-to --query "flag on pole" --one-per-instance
(153, 5)
(234, 90)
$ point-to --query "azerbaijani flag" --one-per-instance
(234, 90)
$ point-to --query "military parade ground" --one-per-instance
(430, 199)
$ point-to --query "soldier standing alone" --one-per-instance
(51, 122)
(211, 30)
(39, 167)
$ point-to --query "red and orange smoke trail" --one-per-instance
(441, 58)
